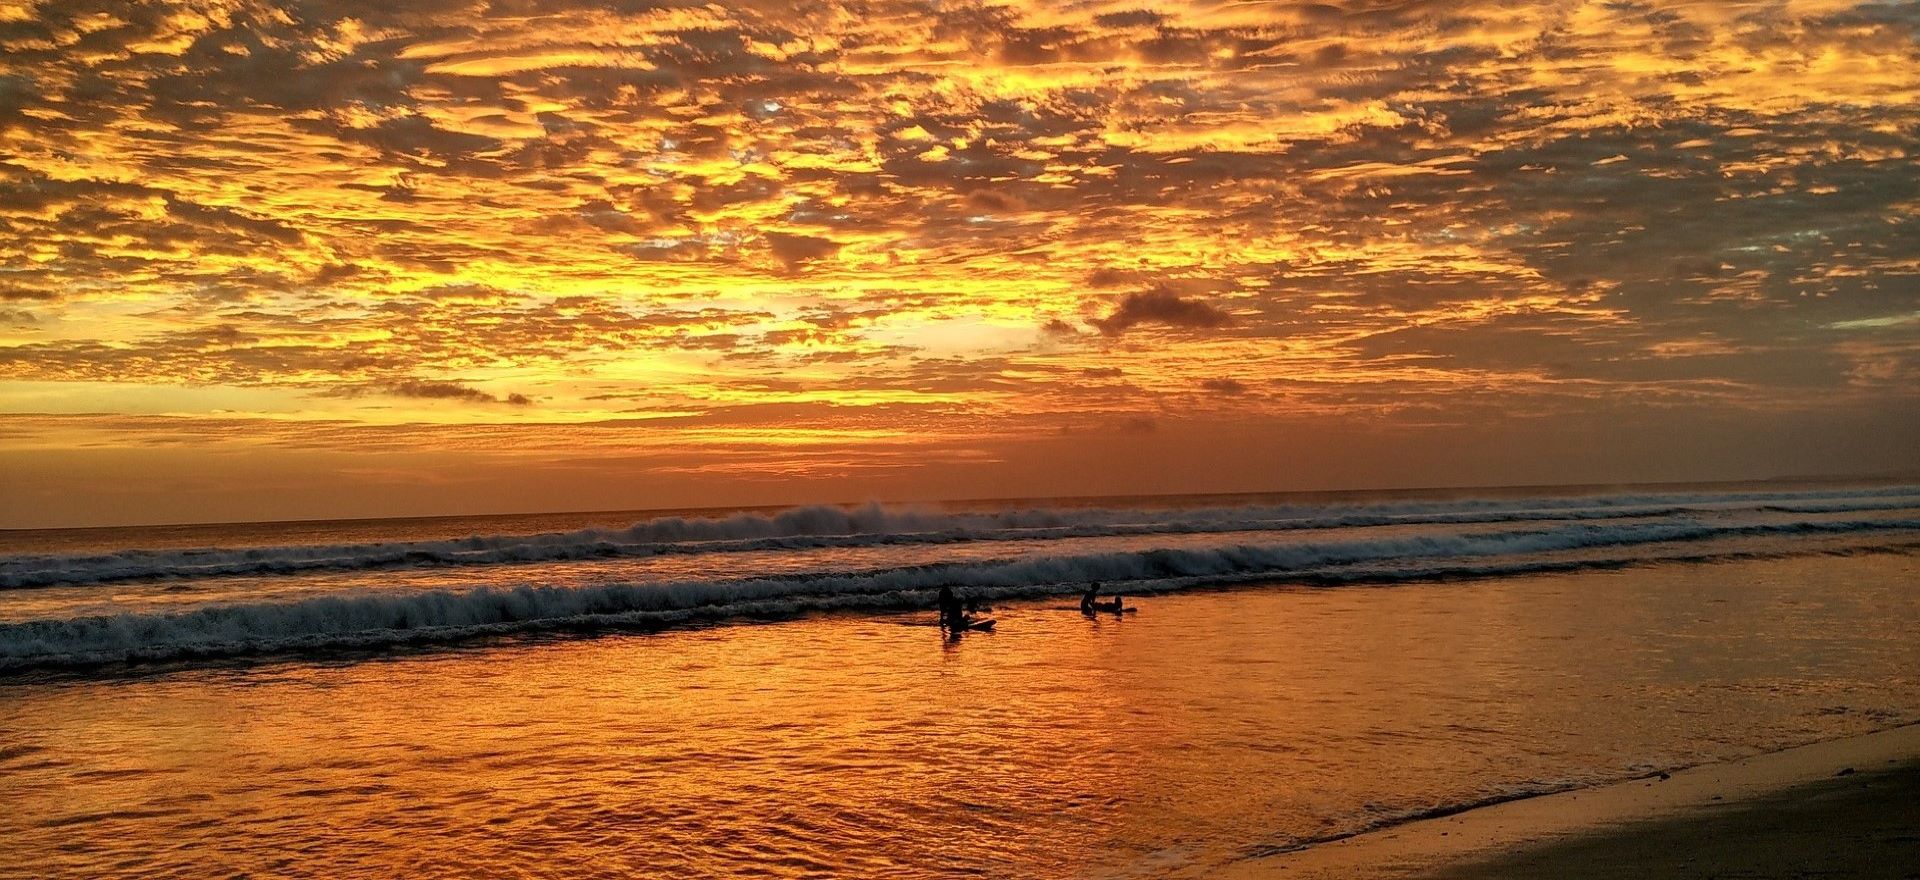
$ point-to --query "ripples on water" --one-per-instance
(1209, 727)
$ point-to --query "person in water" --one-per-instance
(952, 615)
(1089, 603)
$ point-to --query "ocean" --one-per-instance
(766, 693)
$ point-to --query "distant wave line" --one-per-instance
(380, 620)
(825, 526)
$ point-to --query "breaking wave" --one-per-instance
(872, 525)
(380, 620)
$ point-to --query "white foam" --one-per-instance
(382, 620)
(873, 524)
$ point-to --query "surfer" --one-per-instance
(1089, 601)
(952, 615)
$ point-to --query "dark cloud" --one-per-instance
(14, 293)
(432, 389)
(794, 251)
(994, 202)
(1111, 277)
(230, 220)
(1059, 327)
(1161, 307)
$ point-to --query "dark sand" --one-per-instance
(1845, 808)
(1864, 825)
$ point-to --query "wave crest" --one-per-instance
(874, 524)
(440, 616)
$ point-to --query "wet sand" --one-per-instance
(1864, 825)
(1846, 808)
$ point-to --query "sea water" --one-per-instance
(765, 692)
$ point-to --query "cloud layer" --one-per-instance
(806, 215)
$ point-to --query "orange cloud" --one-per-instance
(966, 213)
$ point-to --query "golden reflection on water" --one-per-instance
(1198, 731)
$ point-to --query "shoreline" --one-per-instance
(1611, 826)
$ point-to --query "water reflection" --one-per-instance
(1202, 729)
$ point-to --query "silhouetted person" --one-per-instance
(952, 615)
(1089, 605)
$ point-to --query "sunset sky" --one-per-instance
(266, 260)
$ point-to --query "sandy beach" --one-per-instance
(1844, 808)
